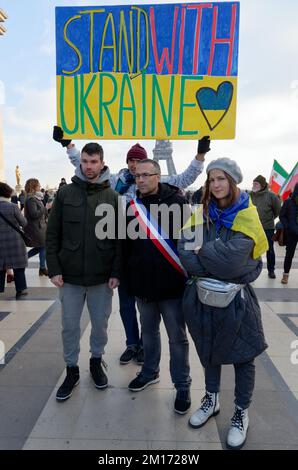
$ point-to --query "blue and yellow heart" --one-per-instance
(214, 104)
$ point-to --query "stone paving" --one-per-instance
(116, 418)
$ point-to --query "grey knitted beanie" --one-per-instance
(228, 166)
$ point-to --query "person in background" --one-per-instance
(268, 206)
(36, 215)
(289, 219)
(14, 198)
(22, 199)
(197, 196)
(232, 244)
(62, 182)
(13, 253)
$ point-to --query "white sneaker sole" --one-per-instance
(182, 412)
(101, 386)
(154, 381)
(68, 396)
(126, 362)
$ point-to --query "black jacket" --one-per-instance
(289, 213)
(149, 275)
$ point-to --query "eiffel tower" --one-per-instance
(163, 150)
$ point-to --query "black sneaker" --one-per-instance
(128, 355)
(271, 275)
(98, 375)
(140, 356)
(141, 382)
(72, 379)
(182, 401)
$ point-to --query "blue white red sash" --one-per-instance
(156, 234)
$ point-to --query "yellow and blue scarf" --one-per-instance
(239, 217)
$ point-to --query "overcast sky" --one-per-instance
(267, 109)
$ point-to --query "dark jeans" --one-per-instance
(128, 315)
(42, 255)
(19, 279)
(291, 243)
(171, 313)
(244, 382)
(270, 253)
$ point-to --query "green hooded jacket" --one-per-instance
(72, 248)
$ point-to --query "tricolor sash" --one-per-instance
(155, 233)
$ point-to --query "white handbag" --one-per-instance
(216, 293)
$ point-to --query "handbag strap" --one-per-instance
(11, 225)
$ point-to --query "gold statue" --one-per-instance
(18, 175)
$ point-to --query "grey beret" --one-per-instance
(227, 165)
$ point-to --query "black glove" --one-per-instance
(58, 136)
(204, 144)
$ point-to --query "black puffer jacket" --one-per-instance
(233, 334)
(289, 213)
(149, 275)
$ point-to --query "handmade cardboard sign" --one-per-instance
(148, 71)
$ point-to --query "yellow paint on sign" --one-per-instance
(110, 105)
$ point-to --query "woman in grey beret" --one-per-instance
(220, 306)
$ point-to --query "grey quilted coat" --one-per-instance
(13, 253)
(36, 215)
(233, 334)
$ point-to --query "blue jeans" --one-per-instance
(270, 253)
(128, 315)
(244, 382)
(19, 279)
(42, 255)
(171, 313)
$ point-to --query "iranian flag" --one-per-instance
(277, 178)
(289, 184)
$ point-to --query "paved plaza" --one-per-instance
(117, 419)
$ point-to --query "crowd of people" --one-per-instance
(162, 271)
(23, 223)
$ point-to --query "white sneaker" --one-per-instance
(210, 407)
(238, 430)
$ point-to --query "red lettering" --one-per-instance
(197, 33)
(181, 41)
(215, 40)
(165, 53)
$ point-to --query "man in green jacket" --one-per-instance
(83, 266)
(268, 207)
